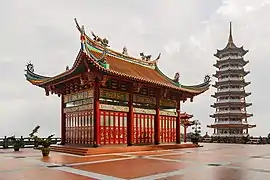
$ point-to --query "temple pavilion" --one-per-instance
(109, 97)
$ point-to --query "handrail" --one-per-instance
(26, 141)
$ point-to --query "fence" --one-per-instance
(27, 142)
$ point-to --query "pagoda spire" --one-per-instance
(230, 36)
(230, 40)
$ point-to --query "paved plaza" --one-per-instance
(210, 162)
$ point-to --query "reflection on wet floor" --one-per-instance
(211, 162)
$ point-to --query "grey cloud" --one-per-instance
(44, 32)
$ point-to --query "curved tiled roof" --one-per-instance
(119, 65)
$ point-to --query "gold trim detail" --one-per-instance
(144, 99)
(114, 108)
(116, 95)
(79, 108)
(144, 111)
(78, 96)
(167, 113)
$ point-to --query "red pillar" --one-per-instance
(185, 133)
(178, 123)
(130, 120)
(96, 115)
(63, 121)
(157, 121)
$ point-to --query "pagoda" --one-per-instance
(231, 114)
(109, 97)
(186, 122)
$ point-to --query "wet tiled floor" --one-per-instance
(210, 162)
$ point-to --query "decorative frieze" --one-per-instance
(78, 96)
(81, 102)
(78, 108)
(168, 103)
(114, 108)
(144, 111)
(144, 99)
(167, 113)
(116, 95)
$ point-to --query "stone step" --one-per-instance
(117, 149)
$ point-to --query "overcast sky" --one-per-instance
(186, 32)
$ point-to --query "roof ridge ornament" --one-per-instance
(154, 62)
(176, 77)
(207, 78)
(30, 67)
(104, 42)
(145, 57)
(82, 37)
(125, 51)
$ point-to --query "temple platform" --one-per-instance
(210, 162)
(112, 149)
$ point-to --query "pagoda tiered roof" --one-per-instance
(239, 125)
(231, 47)
(231, 114)
(231, 81)
(227, 61)
(96, 53)
(232, 92)
(231, 103)
(231, 71)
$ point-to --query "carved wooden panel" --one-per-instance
(114, 108)
(167, 113)
(168, 103)
(78, 108)
(78, 96)
(109, 94)
(144, 99)
(144, 111)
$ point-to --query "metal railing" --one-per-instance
(229, 135)
(230, 90)
(230, 100)
(27, 142)
(230, 68)
(231, 79)
(230, 122)
(230, 111)
(230, 57)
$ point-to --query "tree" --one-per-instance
(197, 131)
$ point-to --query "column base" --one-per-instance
(157, 143)
(129, 144)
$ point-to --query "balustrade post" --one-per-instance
(5, 143)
